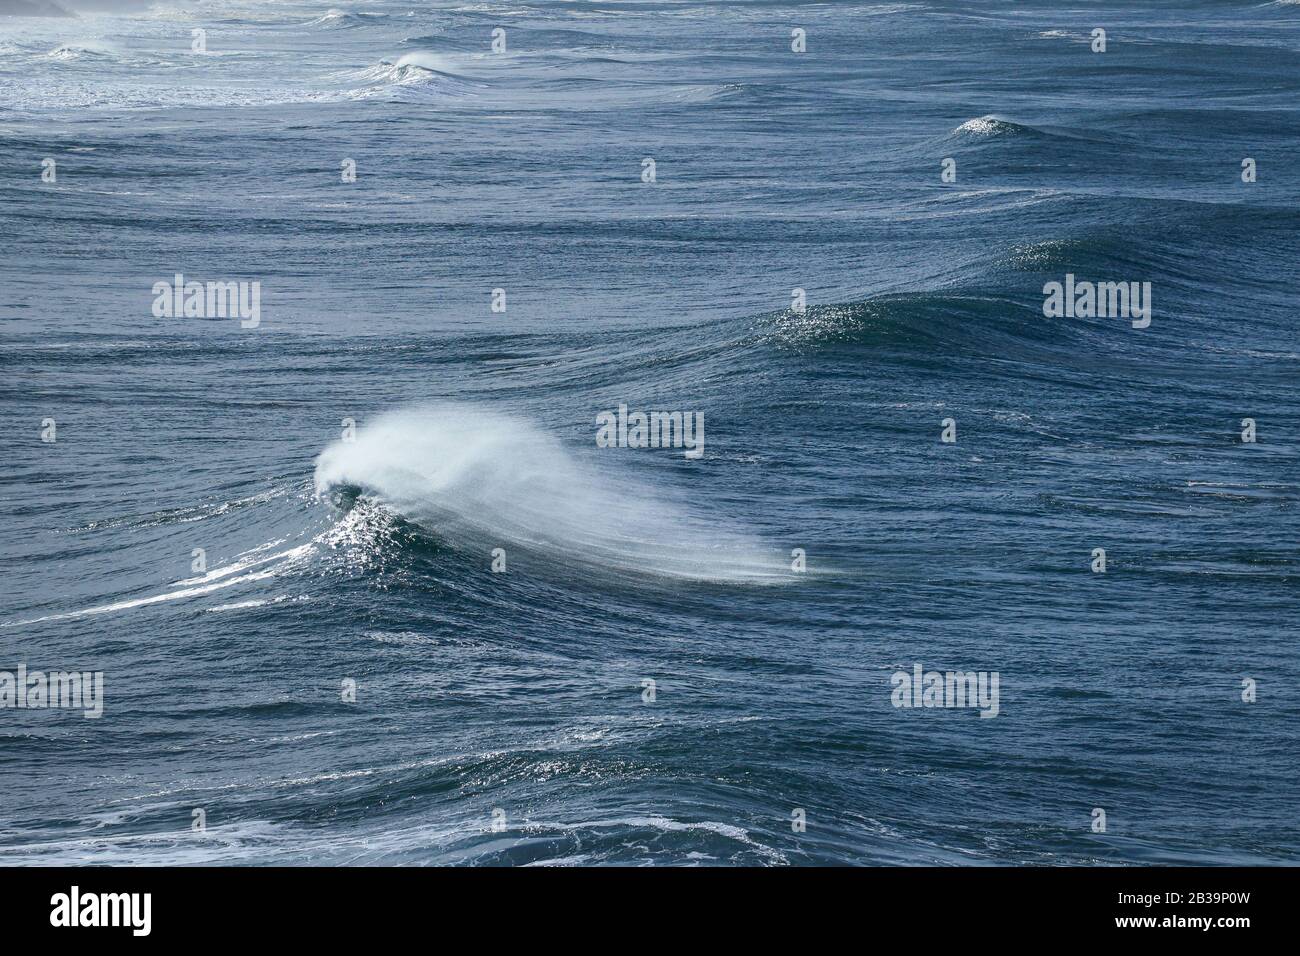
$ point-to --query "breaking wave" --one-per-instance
(479, 480)
(421, 74)
(344, 19)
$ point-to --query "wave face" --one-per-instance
(650, 678)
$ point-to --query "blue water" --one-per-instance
(503, 717)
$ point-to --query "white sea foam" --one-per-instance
(213, 581)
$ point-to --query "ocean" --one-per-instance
(359, 535)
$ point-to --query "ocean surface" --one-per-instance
(238, 524)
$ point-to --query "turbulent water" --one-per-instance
(236, 522)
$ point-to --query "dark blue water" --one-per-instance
(503, 717)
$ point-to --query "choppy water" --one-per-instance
(522, 692)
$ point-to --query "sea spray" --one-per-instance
(478, 479)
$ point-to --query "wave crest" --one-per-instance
(990, 126)
(421, 74)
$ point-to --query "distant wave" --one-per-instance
(910, 320)
(996, 128)
(74, 51)
(345, 19)
(421, 73)
(990, 126)
(987, 132)
(481, 480)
